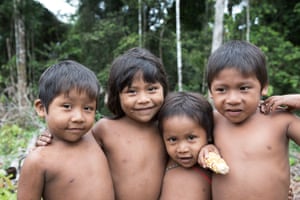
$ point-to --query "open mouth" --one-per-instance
(185, 160)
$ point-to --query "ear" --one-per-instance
(39, 108)
(264, 91)
(209, 95)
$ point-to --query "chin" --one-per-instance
(237, 121)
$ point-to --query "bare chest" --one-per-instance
(257, 139)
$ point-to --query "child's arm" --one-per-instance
(31, 181)
(285, 102)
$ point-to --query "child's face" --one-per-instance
(235, 96)
(141, 101)
(69, 116)
(183, 138)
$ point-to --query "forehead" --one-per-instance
(231, 75)
(139, 79)
(76, 95)
(138, 76)
(179, 122)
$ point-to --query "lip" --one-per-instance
(233, 112)
(75, 130)
(185, 160)
(144, 111)
(145, 108)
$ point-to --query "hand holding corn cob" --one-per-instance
(214, 162)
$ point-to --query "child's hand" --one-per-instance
(209, 157)
(203, 154)
(44, 139)
(284, 102)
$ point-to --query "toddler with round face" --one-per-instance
(186, 124)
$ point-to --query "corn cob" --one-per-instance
(214, 162)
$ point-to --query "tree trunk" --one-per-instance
(218, 25)
(140, 23)
(9, 55)
(161, 37)
(178, 42)
(248, 20)
(20, 55)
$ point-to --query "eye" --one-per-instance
(89, 108)
(67, 106)
(131, 91)
(220, 89)
(152, 89)
(191, 137)
(172, 140)
(244, 88)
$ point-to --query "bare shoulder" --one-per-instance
(103, 122)
(32, 179)
(36, 155)
(35, 163)
(194, 183)
(108, 125)
(101, 128)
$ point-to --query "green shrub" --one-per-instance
(7, 188)
(13, 143)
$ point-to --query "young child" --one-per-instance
(254, 145)
(131, 141)
(73, 166)
(186, 123)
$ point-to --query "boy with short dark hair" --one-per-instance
(254, 145)
(73, 166)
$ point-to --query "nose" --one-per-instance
(182, 147)
(77, 115)
(233, 97)
(143, 98)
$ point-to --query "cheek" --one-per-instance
(170, 149)
(160, 100)
(55, 124)
(197, 150)
(217, 102)
(124, 102)
(91, 119)
(200, 143)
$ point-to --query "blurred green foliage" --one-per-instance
(14, 142)
(7, 187)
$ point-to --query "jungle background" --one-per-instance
(32, 38)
